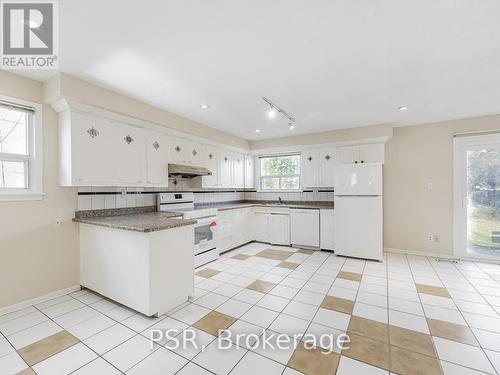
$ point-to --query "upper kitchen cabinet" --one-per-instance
(369, 153)
(326, 168)
(310, 169)
(210, 160)
(226, 169)
(183, 151)
(130, 154)
(86, 156)
(157, 147)
(249, 172)
(238, 171)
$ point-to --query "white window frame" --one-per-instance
(34, 190)
(260, 177)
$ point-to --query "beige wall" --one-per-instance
(415, 156)
(86, 93)
(37, 258)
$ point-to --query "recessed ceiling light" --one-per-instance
(257, 130)
(271, 113)
(403, 108)
(204, 106)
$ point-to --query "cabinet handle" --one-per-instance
(362, 161)
(128, 139)
(310, 158)
(210, 156)
(156, 145)
(225, 159)
(194, 152)
(327, 157)
(177, 149)
(92, 132)
(356, 162)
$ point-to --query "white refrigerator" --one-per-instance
(358, 224)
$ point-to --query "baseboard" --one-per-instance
(420, 253)
(34, 301)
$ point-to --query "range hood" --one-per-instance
(187, 171)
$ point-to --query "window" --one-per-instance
(280, 172)
(20, 151)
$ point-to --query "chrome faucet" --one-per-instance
(280, 201)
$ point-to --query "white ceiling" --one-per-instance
(330, 63)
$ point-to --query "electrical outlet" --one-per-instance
(433, 237)
(124, 193)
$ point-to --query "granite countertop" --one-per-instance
(243, 204)
(139, 222)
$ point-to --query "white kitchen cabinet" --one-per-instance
(157, 159)
(243, 224)
(226, 169)
(129, 149)
(304, 226)
(249, 172)
(86, 156)
(183, 151)
(238, 171)
(210, 160)
(261, 226)
(369, 153)
(372, 153)
(326, 229)
(280, 229)
(310, 169)
(326, 168)
(225, 230)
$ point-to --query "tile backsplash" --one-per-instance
(96, 198)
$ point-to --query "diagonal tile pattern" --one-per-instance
(406, 315)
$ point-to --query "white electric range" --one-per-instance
(205, 230)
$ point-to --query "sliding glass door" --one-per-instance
(477, 196)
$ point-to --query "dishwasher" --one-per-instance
(304, 225)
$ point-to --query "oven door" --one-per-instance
(205, 235)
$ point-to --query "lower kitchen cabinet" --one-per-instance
(304, 227)
(261, 223)
(326, 221)
(279, 229)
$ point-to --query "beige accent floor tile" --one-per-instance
(369, 328)
(213, 322)
(261, 286)
(314, 361)
(412, 363)
(289, 265)
(370, 351)
(28, 371)
(240, 257)
(411, 340)
(338, 304)
(451, 331)
(304, 251)
(274, 254)
(349, 276)
(207, 272)
(433, 290)
(43, 349)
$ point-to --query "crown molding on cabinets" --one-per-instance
(64, 104)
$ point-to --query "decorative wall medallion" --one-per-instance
(92, 132)
(128, 139)
(156, 145)
(177, 149)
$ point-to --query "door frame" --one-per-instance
(460, 145)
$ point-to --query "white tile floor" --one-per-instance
(115, 339)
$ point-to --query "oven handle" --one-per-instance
(205, 221)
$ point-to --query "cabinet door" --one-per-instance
(157, 159)
(180, 150)
(210, 160)
(194, 153)
(92, 154)
(239, 171)
(310, 169)
(130, 151)
(280, 229)
(373, 153)
(348, 155)
(305, 227)
(326, 168)
(226, 169)
(326, 231)
(261, 226)
(249, 172)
